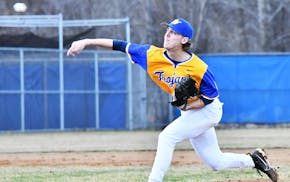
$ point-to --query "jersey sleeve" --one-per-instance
(208, 86)
(120, 45)
(138, 54)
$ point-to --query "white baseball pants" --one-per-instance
(198, 126)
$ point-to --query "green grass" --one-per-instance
(127, 174)
(207, 175)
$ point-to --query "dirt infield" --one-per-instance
(119, 158)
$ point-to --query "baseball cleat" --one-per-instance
(262, 164)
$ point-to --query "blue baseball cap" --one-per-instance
(180, 26)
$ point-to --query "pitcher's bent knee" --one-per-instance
(217, 164)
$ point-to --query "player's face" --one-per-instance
(172, 40)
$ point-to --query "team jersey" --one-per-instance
(166, 73)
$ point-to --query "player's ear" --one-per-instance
(184, 40)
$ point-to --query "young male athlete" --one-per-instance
(169, 66)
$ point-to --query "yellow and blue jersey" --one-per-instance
(166, 73)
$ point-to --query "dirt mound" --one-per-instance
(118, 158)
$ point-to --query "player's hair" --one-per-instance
(186, 46)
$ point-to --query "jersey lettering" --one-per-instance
(170, 80)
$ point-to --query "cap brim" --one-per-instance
(164, 24)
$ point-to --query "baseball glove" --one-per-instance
(183, 91)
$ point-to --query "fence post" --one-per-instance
(22, 90)
(61, 79)
(97, 101)
(129, 80)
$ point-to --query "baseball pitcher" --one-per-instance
(193, 88)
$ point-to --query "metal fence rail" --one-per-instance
(58, 22)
